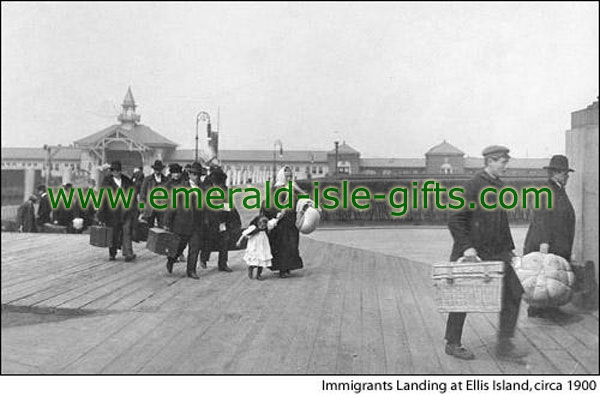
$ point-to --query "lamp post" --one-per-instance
(202, 116)
(49, 155)
(337, 144)
(277, 143)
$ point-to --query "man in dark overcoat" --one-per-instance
(552, 230)
(156, 179)
(221, 223)
(64, 216)
(187, 223)
(120, 219)
(26, 215)
(44, 210)
(485, 233)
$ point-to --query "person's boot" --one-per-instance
(193, 275)
(506, 350)
(130, 258)
(170, 262)
(283, 274)
(258, 272)
(459, 351)
(250, 270)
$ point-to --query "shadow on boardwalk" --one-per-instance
(349, 311)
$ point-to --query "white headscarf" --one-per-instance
(280, 180)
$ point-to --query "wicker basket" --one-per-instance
(468, 287)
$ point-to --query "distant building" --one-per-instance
(138, 145)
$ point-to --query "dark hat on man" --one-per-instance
(197, 168)
(158, 165)
(217, 175)
(559, 163)
(115, 166)
(175, 168)
(496, 151)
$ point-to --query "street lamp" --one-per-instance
(337, 144)
(277, 143)
(202, 116)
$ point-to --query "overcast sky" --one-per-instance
(391, 79)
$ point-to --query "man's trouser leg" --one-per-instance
(454, 327)
(223, 252)
(193, 251)
(117, 238)
(511, 302)
(127, 231)
(183, 241)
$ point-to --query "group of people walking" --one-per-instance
(202, 230)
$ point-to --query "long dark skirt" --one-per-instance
(284, 241)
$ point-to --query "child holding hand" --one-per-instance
(258, 251)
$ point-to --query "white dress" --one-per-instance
(258, 250)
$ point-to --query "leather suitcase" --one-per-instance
(140, 231)
(101, 236)
(161, 241)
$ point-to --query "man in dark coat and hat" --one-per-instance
(26, 215)
(120, 219)
(221, 223)
(64, 216)
(483, 233)
(552, 230)
(156, 179)
(188, 223)
(44, 210)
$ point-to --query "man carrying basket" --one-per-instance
(485, 234)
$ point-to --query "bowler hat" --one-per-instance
(496, 151)
(217, 175)
(560, 163)
(175, 168)
(158, 165)
(197, 168)
(115, 166)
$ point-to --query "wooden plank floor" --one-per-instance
(349, 311)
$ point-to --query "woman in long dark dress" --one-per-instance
(285, 237)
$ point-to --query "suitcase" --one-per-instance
(468, 287)
(140, 231)
(54, 228)
(101, 236)
(161, 241)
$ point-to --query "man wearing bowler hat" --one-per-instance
(552, 230)
(120, 219)
(156, 179)
(485, 234)
(188, 223)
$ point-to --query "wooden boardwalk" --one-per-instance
(350, 311)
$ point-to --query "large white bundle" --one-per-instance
(308, 221)
(78, 223)
(547, 279)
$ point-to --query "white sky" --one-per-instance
(391, 79)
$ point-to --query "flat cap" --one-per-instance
(495, 151)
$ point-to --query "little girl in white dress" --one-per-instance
(258, 251)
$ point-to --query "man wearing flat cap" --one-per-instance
(156, 179)
(485, 234)
(187, 223)
(552, 230)
(120, 219)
